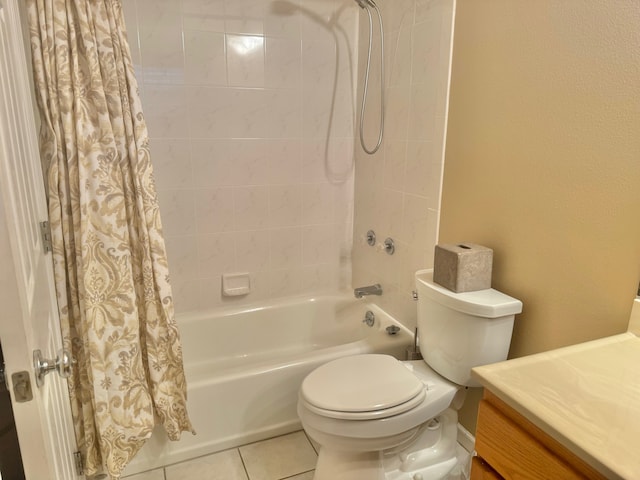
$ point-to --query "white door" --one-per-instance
(28, 314)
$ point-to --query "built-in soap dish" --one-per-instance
(235, 284)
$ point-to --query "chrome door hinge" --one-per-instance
(45, 233)
(77, 461)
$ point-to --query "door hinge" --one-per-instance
(79, 464)
(45, 233)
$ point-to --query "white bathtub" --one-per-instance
(244, 368)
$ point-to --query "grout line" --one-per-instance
(246, 472)
(296, 474)
(267, 439)
(310, 442)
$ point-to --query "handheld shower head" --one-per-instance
(365, 3)
(367, 6)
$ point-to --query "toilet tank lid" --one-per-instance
(487, 303)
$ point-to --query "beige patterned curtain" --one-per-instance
(110, 264)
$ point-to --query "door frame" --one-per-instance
(43, 428)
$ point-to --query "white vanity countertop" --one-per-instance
(586, 396)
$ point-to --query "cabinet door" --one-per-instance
(517, 449)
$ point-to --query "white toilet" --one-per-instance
(376, 418)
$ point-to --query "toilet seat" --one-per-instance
(371, 415)
(362, 387)
(439, 393)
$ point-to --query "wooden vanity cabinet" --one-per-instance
(511, 447)
(481, 470)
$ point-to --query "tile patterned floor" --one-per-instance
(290, 457)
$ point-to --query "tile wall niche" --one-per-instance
(250, 109)
(397, 191)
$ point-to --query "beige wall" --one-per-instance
(543, 160)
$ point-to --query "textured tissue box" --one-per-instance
(463, 267)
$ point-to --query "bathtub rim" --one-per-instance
(262, 305)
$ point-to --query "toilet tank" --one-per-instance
(459, 331)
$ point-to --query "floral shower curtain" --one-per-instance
(110, 264)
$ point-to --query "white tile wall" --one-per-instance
(398, 189)
(250, 109)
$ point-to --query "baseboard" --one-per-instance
(465, 439)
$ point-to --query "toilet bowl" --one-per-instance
(377, 418)
(374, 409)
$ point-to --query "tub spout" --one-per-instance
(369, 290)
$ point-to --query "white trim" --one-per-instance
(29, 316)
(465, 439)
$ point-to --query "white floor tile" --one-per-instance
(314, 444)
(302, 476)
(225, 465)
(278, 457)
(151, 475)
